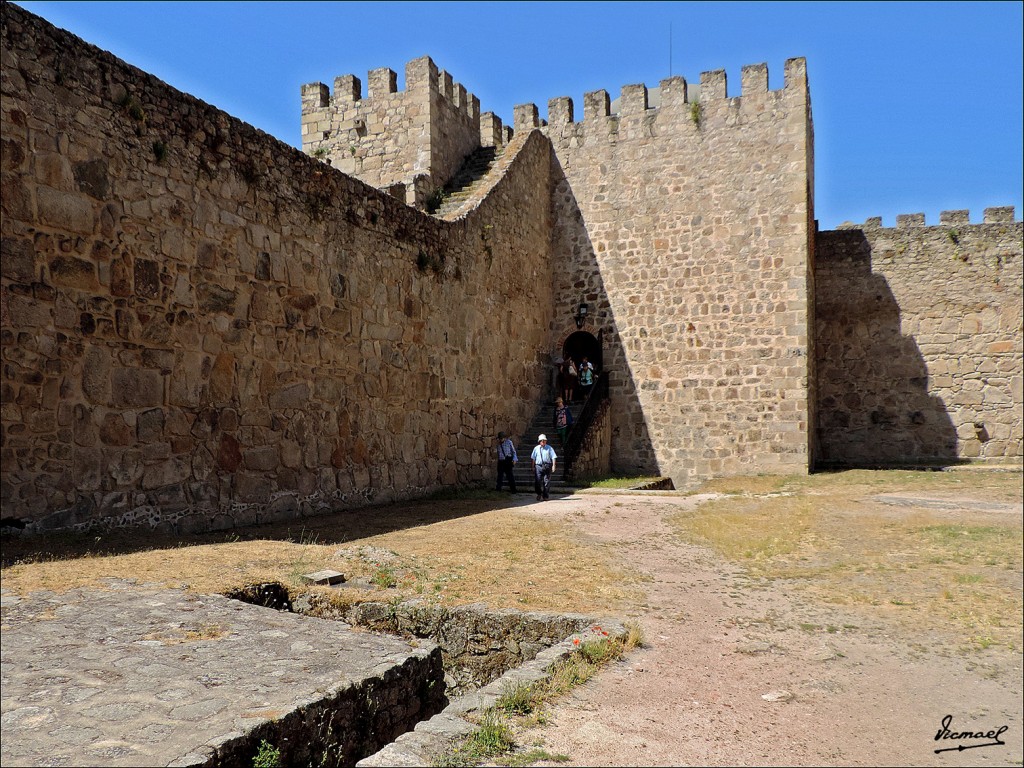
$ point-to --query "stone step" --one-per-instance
(460, 188)
(541, 425)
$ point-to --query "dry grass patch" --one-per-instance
(750, 529)
(508, 560)
(995, 485)
(523, 707)
(203, 568)
(953, 571)
(449, 552)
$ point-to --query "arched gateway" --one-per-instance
(582, 344)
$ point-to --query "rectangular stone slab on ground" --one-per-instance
(139, 675)
(327, 577)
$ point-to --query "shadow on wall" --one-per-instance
(873, 404)
(578, 279)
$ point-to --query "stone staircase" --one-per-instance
(463, 183)
(542, 425)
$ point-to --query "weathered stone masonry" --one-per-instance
(203, 327)
(919, 344)
(409, 141)
(696, 307)
(686, 227)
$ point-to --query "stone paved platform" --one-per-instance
(138, 675)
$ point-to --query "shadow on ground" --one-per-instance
(332, 528)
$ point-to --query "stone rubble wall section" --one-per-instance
(477, 644)
(687, 228)
(205, 328)
(357, 719)
(594, 459)
(432, 739)
(660, 484)
(919, 344)
(410, 141)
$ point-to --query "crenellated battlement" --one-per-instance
(994, 215)
(408, 141)
(673, 95)
(422, 77)
(412, 141)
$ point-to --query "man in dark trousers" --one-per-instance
(543, 465)
(506, 461)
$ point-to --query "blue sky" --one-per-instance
(917, 106)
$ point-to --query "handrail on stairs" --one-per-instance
(574, 440)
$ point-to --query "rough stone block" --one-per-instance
(252, 488)
(149, 425)
(381, 82)
(347, 88)
(92, 177)
(71, 272)
(633, 100)
(293, 396)
(135, 388)
(17, 259)
(673, 92)
(753, 79)
(327, 577)
(910, 220)
(712, 85)
(65, 211)
(114, 431)
(999, 215)
(261, 458)
(596, 104)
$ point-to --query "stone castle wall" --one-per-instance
(411, 141)
(919, 345)
(594, 460)
(686, 228)
(203, 327)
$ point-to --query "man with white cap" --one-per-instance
(543, 457)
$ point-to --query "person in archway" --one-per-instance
(570, 378)
(562, 420)
(586, 371)
(506, 462)
(543, 458)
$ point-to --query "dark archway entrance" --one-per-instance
(583, 344)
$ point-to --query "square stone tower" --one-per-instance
(408, 142)
(687, 230)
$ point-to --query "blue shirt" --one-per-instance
(587, 373)
(543, 454)
(506, 450)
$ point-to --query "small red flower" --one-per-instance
(575, 641)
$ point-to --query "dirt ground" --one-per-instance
(829, 620)
(743, 673)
